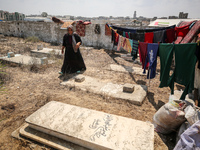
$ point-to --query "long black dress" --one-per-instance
(73, 62)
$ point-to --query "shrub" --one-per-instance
(32, 39)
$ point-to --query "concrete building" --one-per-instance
(134, 16)
(183, 15)
(6, 16)
(173, 17)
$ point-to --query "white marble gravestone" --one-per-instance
(92, 129)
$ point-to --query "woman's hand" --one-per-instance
(63, 49)
(78, 45)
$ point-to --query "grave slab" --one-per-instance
(101, 87)
(127, 69)
(45, 52)
(24, 60)
(24, 132)
(92, 129)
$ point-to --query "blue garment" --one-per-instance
(152, 50)
(131, 42)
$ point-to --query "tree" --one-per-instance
(44, 14)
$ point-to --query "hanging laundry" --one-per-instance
(128, 45)
(80, 29)
(97, 29)
(152, 50)
(148, 37)
(120, 32)
(120, 42)
(143, 53)
(107, 30)
(138, 37)
(134, 51)
(185, 61)
(124, 34)
(197, 69)
(166, 55)
(170, 33)
(159, 36)
(192, 33)
(116, 38)
(181, 33)
(156, 29)
(127, 36)
(112, 36)
(197, 53)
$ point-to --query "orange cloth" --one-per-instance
(66, 24)
(107, 30)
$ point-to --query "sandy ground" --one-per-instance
(27, 88)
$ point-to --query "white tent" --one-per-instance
(167, 22)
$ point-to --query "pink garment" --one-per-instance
(120, 43)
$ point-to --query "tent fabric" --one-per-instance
(192, 33)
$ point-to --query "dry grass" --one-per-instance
(32, 39)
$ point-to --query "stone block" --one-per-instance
(44, 60)
(39, 47)
(129, 88)
(79, 78)
(11, 54)
(92, 129)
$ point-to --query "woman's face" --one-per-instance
(70, 31)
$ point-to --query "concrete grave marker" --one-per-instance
(45, 52)
(127, 69)
(92, 129)
(114, 90)
(24, 60)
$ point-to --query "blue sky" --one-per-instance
(94, 8)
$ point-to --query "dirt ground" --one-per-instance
(27, 88)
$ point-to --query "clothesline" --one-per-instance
(148, 51)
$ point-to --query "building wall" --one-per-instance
(51, 32)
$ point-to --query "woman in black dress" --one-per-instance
(73, 61)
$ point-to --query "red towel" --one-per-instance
(143, 53)
(170, 35)
(148, 38)
(182, 31)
